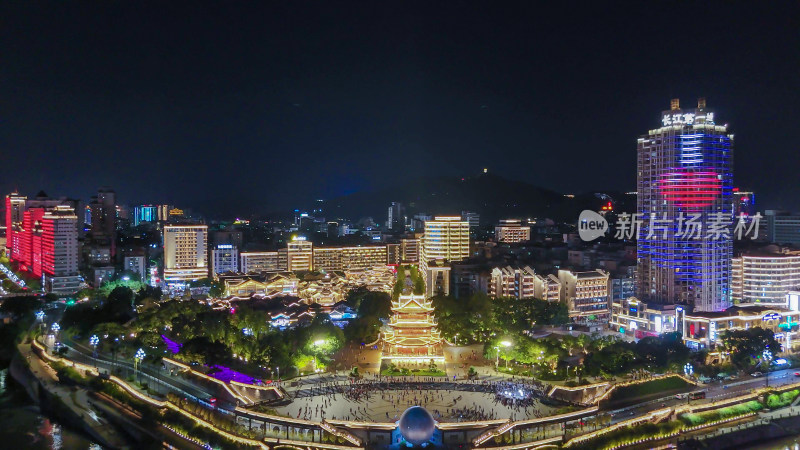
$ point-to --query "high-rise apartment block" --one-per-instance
(446, 240)
(685, 184)
(15, 210)
(185, 253)
(511, 231)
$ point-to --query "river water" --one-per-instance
(25, 427)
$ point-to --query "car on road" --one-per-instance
(681, 396)
(797, 374)
(756, 374)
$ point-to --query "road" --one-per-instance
(715, 392)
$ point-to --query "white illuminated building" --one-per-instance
(185, 254)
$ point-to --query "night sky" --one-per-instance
(236, 107)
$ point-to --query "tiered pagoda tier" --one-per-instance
(411, 332)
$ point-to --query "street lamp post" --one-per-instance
(505, 344)
(137, 358)
(56, 328)
(497, 361)
(93, 341)
(768, 359)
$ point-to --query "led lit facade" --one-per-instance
(765, 279)
(185, 254)
(511, 230)
(145, 213)
(299, 255)
(345, 258)
(257, 262)
(446, 240)
(685, 168)
(15, 210)
(46, 245)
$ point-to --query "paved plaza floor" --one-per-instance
(388, 405)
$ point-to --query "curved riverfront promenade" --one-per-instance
(335, 412)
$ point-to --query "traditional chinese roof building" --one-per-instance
(411, 332)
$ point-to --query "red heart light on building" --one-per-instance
(690, 189)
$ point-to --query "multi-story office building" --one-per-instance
(765, 279)
(511, 230)
(685, 176)
(258, 262)
(782, 227)
(396, 219)
(15, 211)
(299, 255)
(224, 258)
(446, 240)
(346, 258)
(185, 253)
(586, 294)
(145, 213)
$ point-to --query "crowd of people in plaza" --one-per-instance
(393, 395)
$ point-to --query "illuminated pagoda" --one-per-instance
(411, 332)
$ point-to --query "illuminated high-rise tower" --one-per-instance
(685, 176)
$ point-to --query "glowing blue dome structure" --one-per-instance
(417, 425)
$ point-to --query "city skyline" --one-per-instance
(231, 96)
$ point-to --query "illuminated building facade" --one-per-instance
(185, 253)
(411, 332)
(512, 282)
(224, 258)
(344, 258)
(765, 279)
(47, 247)
(744, 202)
(639, 319)
(15, 210)
(257, 262)
(685, 173)
(446, 240)
(299, 255)
(511, 230)
(145, 213)
(587, 296)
